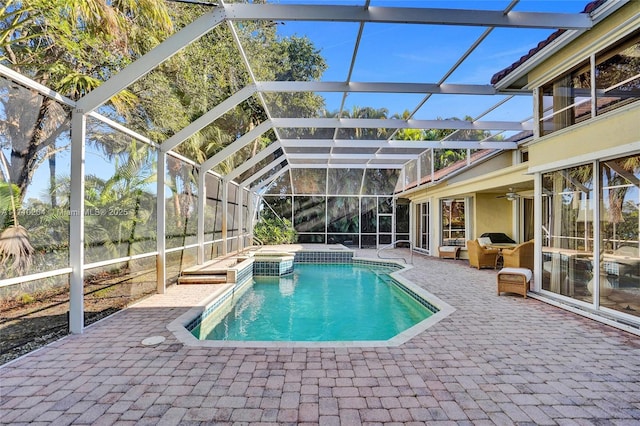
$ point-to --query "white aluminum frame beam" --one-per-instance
(375, 87)
(238, 144)
(349, 143)
(209, 117)
(202, 205)
(364, 123)
(150, 60)
(267, 182)
(76, 222)
(266, 169)
(31, 84)
(255, 160)
(161, 221)
(407, 15)
(347, 166)
(333, 156)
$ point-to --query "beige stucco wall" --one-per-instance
(499, 175)
(493, 215)
(593, 138)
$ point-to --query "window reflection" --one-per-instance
(453, 222)
(619, 226)
(567, 241)
(570, 211)
(568, 99)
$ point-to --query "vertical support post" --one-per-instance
(598, 249)
(202, 201)
(250, 216)
(516, 219)
(76, 222)
(538, 237)
(537, 113)
(433, 165)
(225, 213)
(412, 231)
(161, 209)
(594, 92)
(240, 219)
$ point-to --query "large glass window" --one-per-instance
(423, 224)
(567, 224)
(568, 99)
(574, 214)
(453, 222)
(402, 221)
(618, 75)
(619, 229)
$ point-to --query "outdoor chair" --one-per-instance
(480, 257)
(520, 256)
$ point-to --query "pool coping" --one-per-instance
(178, 327)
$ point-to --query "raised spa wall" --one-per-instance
(274, 264)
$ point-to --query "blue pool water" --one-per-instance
(318, 302)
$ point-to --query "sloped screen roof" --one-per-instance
(392, 83)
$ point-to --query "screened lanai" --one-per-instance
(164, 152)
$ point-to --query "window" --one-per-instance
(423, 224)
(453, 222)
(592, 238)
(618, 75)
(568, 100)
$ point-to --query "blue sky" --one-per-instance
(424, 54)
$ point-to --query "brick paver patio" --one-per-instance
(495, 360)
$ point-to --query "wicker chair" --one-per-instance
(480, 257)
(520, 256)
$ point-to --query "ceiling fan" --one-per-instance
(511, 195)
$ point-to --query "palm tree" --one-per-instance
(69, 46)
(365, 112)
(14, 239)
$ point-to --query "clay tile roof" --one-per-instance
(590, 7)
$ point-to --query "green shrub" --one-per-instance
(275, 231)
(27, 298)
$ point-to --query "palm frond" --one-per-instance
(15, 249)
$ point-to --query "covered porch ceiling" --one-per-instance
(427, 65)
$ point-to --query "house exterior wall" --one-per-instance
(611, 134)
(493, 214)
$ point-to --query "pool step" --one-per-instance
(202, 279)
(213, 267)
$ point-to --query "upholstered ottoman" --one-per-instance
(448, 252)
(514, 280)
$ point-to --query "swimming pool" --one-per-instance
(317, 303)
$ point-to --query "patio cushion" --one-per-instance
(498, 237)
(483, 241)
(517, 271)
